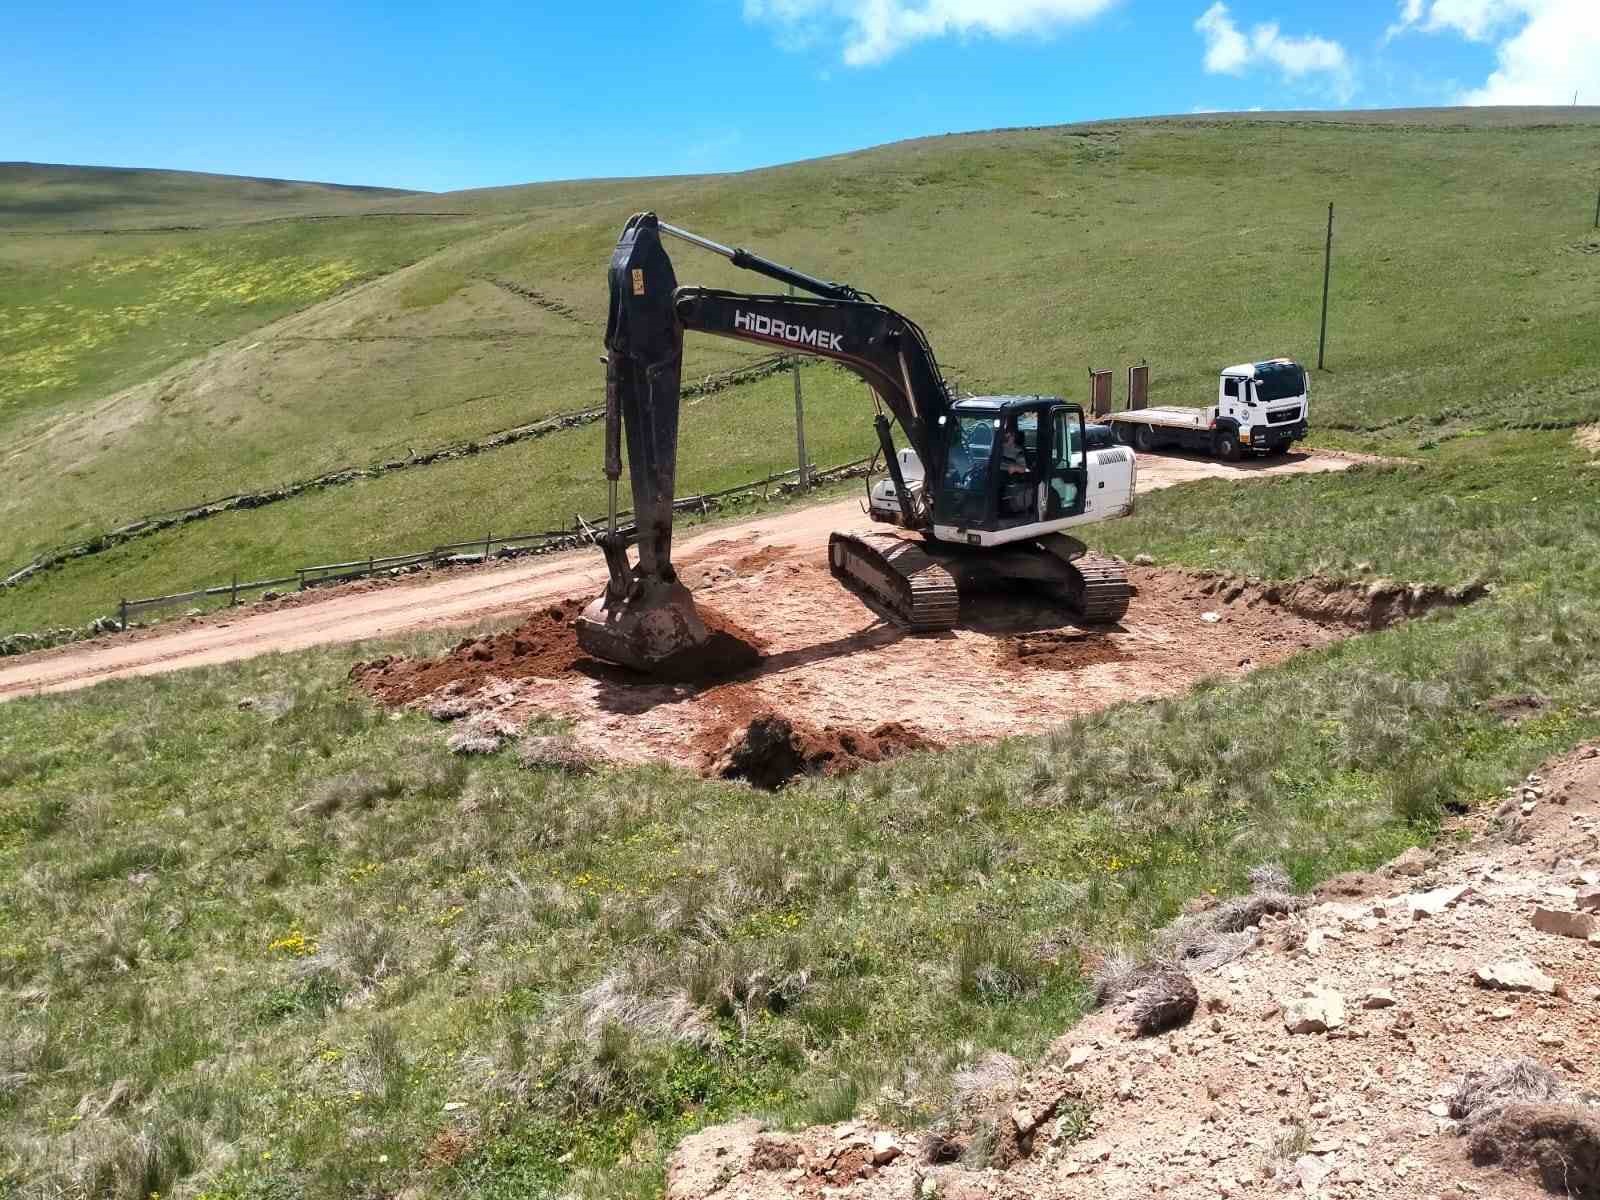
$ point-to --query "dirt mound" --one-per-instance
(542, 647)
(771, 750)
(1058, 650)
(1558, 1144)
(1376, 605)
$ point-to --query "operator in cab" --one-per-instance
(1014, 471)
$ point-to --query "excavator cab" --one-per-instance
(1012, 463)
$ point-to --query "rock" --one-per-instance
(704, 1161)
(1312, 1172)
(1078, 1056)
(1589, 901)
(1413, 862)
(884, 1149)
(1501, 1014)
(1024, 1118)
(1143, 560)
(1431, 904)
(1567, 924)
(1378, 998)
(1550, 1039)
(1210, 618)
(1317, 1009)
(1518, 976)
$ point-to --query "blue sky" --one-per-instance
(480, 93)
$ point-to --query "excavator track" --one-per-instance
(899, 574)
(1098, 589)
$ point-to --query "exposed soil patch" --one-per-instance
(1374, 606)
(1516, 709)
(830, 684)
(1058, 650)
(544, 646)
(771, 750)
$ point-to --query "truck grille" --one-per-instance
(1277, 416)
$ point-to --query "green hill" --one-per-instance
(263, 939)
(246, 355)
(47, 196)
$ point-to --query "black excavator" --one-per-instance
(989, 483)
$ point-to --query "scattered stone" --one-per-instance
(1317, 1009)
(1378, 998)
(1501, 1014)
(884, 1149)
(1312, 1172)
(1519, 976)
(1413, 862)
(1589, 901)
(1143, 560)
(1566, 924)
(1431, 904)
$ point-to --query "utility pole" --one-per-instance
(1327, 266)
(1597, 207)
(799, 419)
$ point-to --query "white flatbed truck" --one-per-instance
(1261, 408)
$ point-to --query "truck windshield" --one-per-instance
(1279, 381)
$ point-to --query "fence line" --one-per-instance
(554, 423)
(487, 547)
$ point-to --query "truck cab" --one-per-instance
(1260, 408)
(1265, 405)
(1015, 467)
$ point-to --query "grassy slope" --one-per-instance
(298, 930)
(1028, 255)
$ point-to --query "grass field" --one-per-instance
(1465, 298)
(261, 940)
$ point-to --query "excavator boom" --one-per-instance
(646, 617)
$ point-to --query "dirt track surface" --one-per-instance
(1242, 1099)
(832, 661)
(363, 612)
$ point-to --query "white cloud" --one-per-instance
(1545, 49)
(876, 30)
(1229, 50)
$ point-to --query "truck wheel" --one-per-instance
(1144, 440)
(1224, 446)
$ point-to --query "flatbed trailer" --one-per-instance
(1261, 408)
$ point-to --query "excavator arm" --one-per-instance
(646, 617)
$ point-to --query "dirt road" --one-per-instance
(350, 615)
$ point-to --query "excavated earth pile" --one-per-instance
(830, 683)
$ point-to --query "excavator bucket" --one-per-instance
(645, 619)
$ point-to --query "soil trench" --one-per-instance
(834, 684)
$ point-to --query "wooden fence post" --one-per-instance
(233, 599)
(486, 540)
(124, 614)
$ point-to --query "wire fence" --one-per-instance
(583, 531)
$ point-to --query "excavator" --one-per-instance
(986, 487)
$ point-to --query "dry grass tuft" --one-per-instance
(1485, 1092)
(557, 751)
(1165, 1000)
